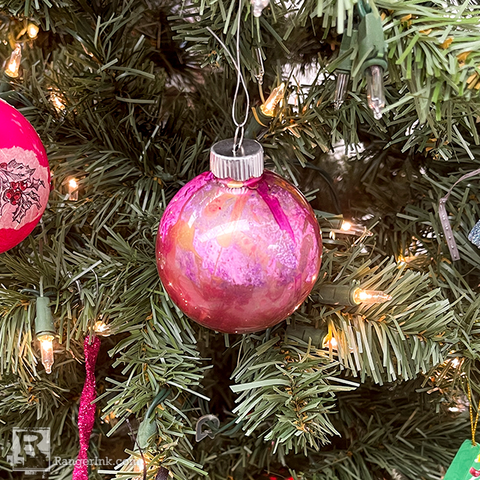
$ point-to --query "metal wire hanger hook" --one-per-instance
(240, 125)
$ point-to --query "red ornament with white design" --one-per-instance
(24, 177)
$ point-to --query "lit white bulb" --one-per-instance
(268, 108)
(32, 30)
(370, 296)
(139, 465)
(455, 362)
(346, 226)
(102, 328)
(330, 342)
(13, 65)
(46, 350)
(57, 102)
(73, 189)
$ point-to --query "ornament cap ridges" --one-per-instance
(246, 163)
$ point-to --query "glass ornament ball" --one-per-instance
(24, 177)
(238, 254)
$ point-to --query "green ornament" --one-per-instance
(467, 457)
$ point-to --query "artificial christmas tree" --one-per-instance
(128, 98)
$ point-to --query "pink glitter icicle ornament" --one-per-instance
(238, 248)
(24, 177)
(86, 412)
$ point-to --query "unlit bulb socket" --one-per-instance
(44, 325)
(247, 162)
(307, 333)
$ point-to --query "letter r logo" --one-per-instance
(31, 449)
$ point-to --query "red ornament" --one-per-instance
(24, 177)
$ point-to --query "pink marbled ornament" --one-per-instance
(24, 177)
(238, 257)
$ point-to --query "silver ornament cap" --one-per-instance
(245, 163)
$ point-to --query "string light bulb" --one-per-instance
(73, 189)
(346, 226)
(375, 90)
(139, 465)
(370, 296)
(350, 228)
(45, 332)
(268, 108)
(32, 30)
(12, 67)
(372, 49)
(262, 116)
(455, 362)
(101, 328)
(46, 350)
(341, 88)
(57, 102)
(330, 342)
(132, 465)
(350, 296)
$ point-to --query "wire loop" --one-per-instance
(239, 132)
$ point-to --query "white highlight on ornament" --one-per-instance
(46, 349)
(225, 229)
(73, 189)
(258, 6)
(13, 65)
(32, 30)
